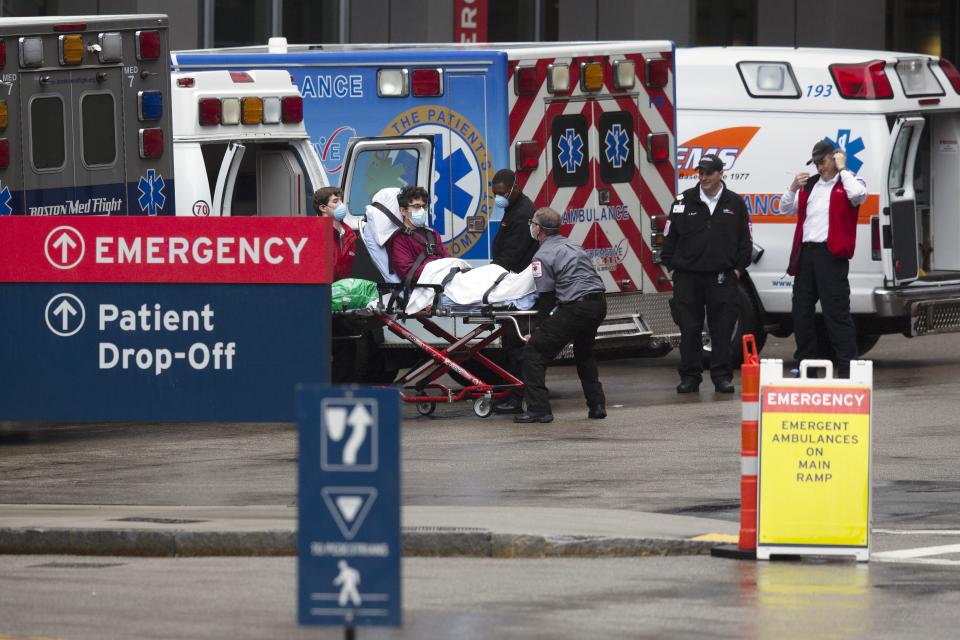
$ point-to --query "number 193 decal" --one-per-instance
(819, 90)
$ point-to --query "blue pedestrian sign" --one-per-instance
(349, 506)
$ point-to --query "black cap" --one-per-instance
(821, 150)
(710, 163)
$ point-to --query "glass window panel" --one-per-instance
(48, 145)
(99, 130)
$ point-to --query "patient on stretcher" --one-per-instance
(405, 250)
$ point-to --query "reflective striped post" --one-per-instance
(746, 548)
(749, 428)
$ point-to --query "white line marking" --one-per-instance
(919, 532)
(930, 561)
(920, 552)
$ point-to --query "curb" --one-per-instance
(418, 542)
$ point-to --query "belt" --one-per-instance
(596, 295)
(813, 244)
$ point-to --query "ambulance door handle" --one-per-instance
(44, 79)
(144, 74)
(101, 76)
(898, 192)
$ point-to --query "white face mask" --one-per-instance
(418, 217)
(534, 231)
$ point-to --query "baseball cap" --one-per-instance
(820, 150)
(710, 163)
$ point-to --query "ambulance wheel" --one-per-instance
(426, 408)
(483, 407)
(866, 341)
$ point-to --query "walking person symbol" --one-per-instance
(347, 580)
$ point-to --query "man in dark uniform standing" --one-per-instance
(571, 306)
(513, 249)
(708, 248)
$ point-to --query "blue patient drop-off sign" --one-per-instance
(349, 506)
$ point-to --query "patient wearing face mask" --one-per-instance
(415, 244)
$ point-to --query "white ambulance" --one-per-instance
(897, 116)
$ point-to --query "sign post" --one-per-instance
(173, 319)
(349, 506)
(815, 472)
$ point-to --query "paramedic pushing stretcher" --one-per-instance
(823, 242)
(708, 248)
(572, 305)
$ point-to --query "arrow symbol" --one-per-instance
(65, 310)
(359, 421)
(65, 243)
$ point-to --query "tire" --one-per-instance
(426, 408)
(483, 407)
(865, 341)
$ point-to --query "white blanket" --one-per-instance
(467, 288)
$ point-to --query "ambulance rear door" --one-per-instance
(901, 255)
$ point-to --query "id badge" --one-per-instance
(721, 277)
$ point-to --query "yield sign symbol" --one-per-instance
(349, 507)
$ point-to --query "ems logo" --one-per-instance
(333, 147)
(461, 176)
(537, 268)
(726, 144)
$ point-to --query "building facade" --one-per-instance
(925, 26)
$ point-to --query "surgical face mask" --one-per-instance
(340, 212)
(499, 207)
(534, 231)
(418, 217)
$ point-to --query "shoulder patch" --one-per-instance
(666, 229)
(537, 268)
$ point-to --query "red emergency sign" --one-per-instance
(269, 250)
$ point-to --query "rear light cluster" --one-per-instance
(862, 81)
(73, 49)
(399, 83)
(658, 225)
(951, 72)
(623, 74)
(249, 110)
(4, 143)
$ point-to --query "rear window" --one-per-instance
(99, 131)
(47, 139)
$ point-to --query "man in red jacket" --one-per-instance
(823, 243)
(328, 201)
(414, 244)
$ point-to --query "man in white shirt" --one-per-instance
(826, 205)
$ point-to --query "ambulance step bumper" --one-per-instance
(935, 316)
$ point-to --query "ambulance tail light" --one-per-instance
(111, 47)
(3, 53)
(862, 81)
(657, 225)
(150, 105)
(392, 83)
(951, 72)
(151, 143)
(525, 81)
(4, 153)
(528, 155)
(230, 111)
(4, 115)
(657, 73)
(292, 108)
(875, 246)
(251, 110)
(658, 147)
(271, 110)
(69, 26)
(240, 76)
(426, 82)
(209, 109)
(148, 45)
(186, 83)
(624, 74)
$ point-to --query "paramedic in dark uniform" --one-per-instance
(827, 205)
(572, 305)
(708, 248)
(513, 249)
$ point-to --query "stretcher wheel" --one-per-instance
(426, 408)
(483, 407)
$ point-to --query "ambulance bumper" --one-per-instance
(930, 309)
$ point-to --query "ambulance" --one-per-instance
(93, 123)
(588, 127)
(897, 117)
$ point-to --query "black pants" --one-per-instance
(577, 322)
(513, 347)
(693, 292)
(822, 276)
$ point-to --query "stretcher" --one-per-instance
(483, 380)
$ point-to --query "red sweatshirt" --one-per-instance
(403, 250)
(345, 252)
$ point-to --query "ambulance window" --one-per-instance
(898, 163)
(571, 160)
(48, 144)
(616, 147)
(99, 132)
(378, 169)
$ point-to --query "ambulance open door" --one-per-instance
(372, 164)
(901, 252)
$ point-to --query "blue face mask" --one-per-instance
(340, 212)
(418, 217)
(500, 204)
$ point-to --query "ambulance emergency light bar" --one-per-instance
(624, 75)
(247, 109)
(72, 50)
(398, 83)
